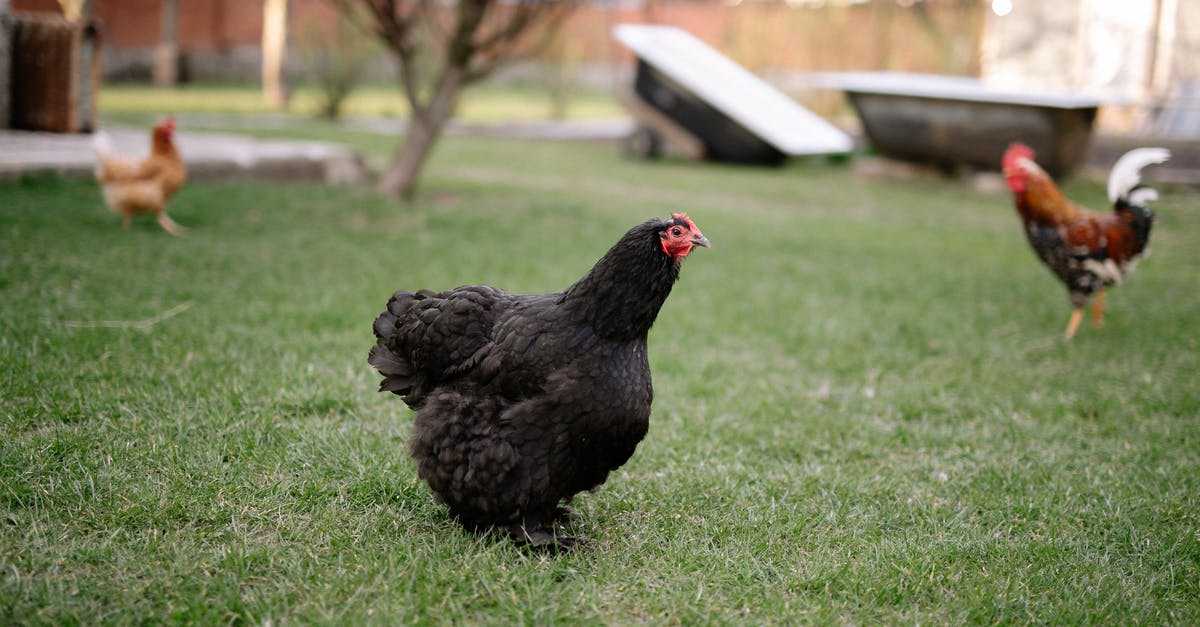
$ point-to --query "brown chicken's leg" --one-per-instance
(1073, 324)
(1098, 310)
(126, 220)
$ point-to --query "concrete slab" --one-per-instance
(215, 155)
(208, 156)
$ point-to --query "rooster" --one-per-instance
(522, 401)
(133, 186)
(1087, 251)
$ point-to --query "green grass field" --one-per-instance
(481, 103)
(864, 413)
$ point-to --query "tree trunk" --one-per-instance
(471, 37)
(424, 129)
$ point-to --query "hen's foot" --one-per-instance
(544, 539)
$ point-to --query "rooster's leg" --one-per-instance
(1073, 324)
(1098, 310)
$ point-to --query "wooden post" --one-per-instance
(274, 52)
(166, 55)
(5, 65)
(75, 10)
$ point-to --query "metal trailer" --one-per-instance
(950, 122)
(706, 106)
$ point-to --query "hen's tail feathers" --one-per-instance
(1126, 175)
(171, 226)
(396, 369)
(102, 146)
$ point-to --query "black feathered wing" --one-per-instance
(426, 338)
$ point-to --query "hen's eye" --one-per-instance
(676, 231)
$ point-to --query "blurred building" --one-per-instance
(1138, 56)
(218, 40)
(1138, 53)
(221, 39)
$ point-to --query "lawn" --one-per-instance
(864, 413)
(481, 103)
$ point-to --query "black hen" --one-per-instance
(523, 401)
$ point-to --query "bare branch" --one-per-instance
(498, 48)
(141, 325)
(412, 86)
(467, 39)
(393, 22)
(471, 14)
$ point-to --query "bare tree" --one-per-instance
(442, 47)
(335, 58)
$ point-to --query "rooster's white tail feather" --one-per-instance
(1127, 173)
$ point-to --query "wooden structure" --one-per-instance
(54, 74)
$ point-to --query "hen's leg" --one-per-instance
(1098, 310)
(1073, 324)
(543, 538)
(126, 220)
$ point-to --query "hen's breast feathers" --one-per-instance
(125, 196)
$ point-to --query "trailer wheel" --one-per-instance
(642, 143)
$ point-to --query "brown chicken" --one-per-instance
(133, 186)
(1088, 251)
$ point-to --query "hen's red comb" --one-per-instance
(1015, 151)
(685, 219)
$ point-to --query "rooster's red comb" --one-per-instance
(1016, 151)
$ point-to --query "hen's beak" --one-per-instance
(700, 240)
